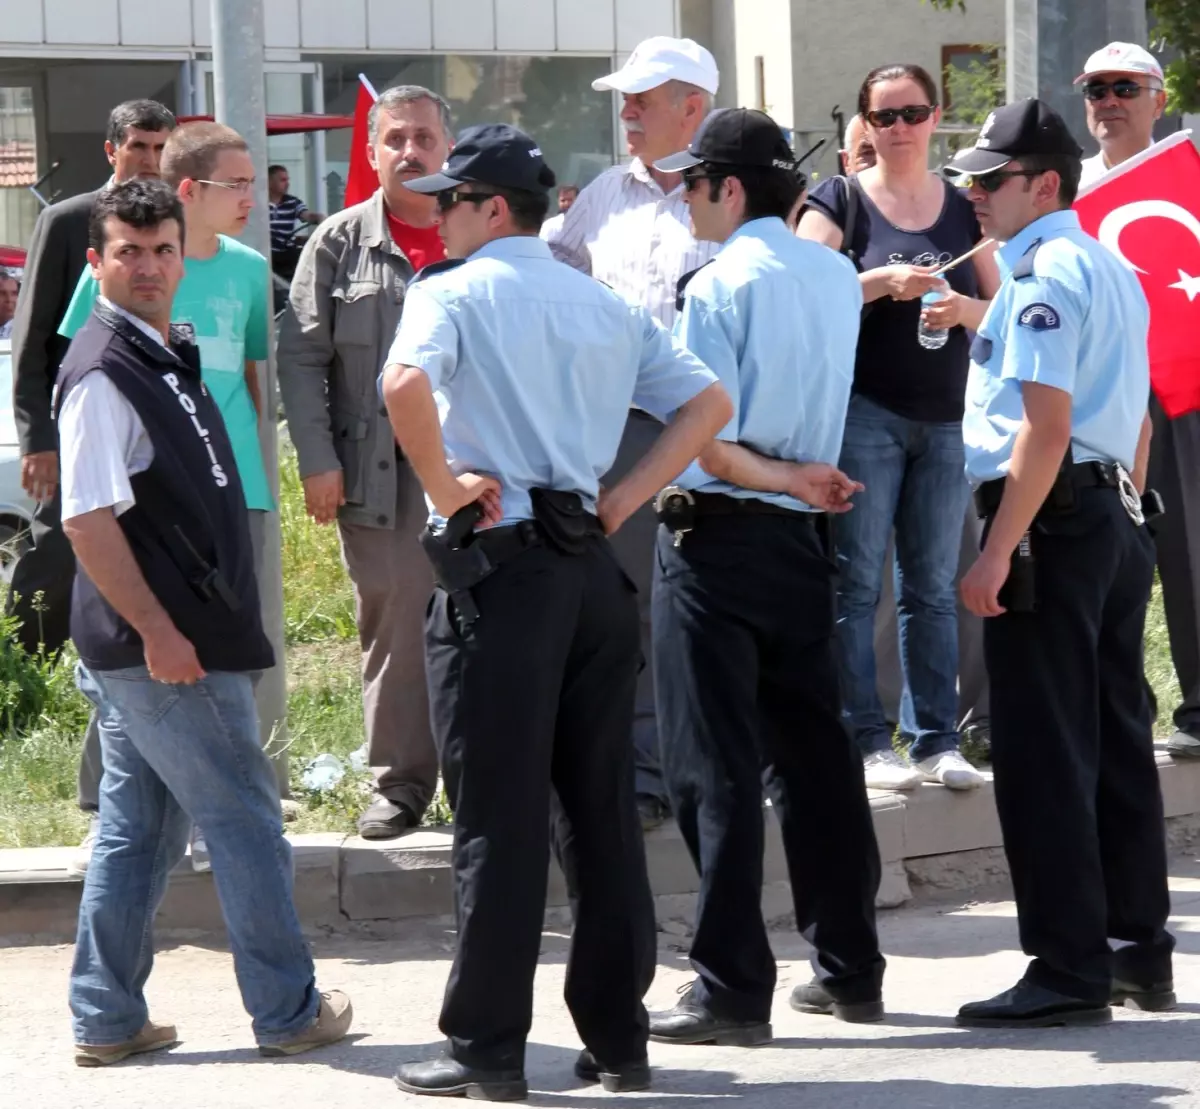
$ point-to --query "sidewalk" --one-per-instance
(939, 957)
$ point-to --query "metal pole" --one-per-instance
(239, 94)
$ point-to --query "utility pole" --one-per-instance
(239, 94)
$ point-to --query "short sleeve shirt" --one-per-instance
(891, 367)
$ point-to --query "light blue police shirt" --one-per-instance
(534, 367)
(1080, 323)
(776, 319)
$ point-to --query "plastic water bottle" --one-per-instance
(932, 338)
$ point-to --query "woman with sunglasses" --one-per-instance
(903, 436)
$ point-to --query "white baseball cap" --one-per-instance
(655, 61)
(1121, 57)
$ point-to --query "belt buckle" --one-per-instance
(675, 501)
(1131, 500)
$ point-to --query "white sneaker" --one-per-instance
(888, 770)
(201, 863)
(951, 770)
(79, 863)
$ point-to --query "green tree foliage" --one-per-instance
(974, 90)
(1176, 25)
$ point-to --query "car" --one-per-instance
(16, 507)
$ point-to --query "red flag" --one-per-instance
(361, 180)
(1147, 211)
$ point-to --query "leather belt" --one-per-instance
(721, 504)
(501, 544)
(1081, 475)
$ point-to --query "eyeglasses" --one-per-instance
(910, 113)
(241, 186)
(1125, 89)
(449, 198)
(693, 175)
(991, 182)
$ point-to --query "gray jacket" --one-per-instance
(344, 308)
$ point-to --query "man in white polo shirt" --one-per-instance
(1122, 87)
(630, 228)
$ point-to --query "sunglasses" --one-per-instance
(450, 198)
(241, 186)
(910, 113)
(991, 182)
(1125, 89)
(695, 174)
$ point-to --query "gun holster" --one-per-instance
(458, 564)
(566, 525)
(205, 580)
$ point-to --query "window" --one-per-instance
(549, 98)
(18, 165)
(972, 82)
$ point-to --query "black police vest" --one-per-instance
(188, 527)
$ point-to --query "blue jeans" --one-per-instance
(173, 754)
(915, 483)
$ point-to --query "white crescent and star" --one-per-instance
(1119, 218)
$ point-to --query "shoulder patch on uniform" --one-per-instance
(682, 284)
(434, 268)
(183, 331)
(1040, 317)
(1024, 266)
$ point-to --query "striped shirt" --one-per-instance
(625, 231)
(284, 217)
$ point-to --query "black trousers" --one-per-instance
(40, 594)
(1076, 782)
(746, 682)
(539, 695)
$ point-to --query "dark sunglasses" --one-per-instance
(910, 113)
(990, 182)
(695, 174)
(1124, 89)
(449, 198)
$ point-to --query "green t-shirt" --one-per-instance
(224, 298)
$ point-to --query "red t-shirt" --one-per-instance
(421, 245)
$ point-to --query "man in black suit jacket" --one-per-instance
(40, 594)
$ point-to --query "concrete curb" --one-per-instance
(931, 839)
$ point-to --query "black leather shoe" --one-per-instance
(386, 819)
(613, 1079)
(1156, 997)
(815, 998)
(446, 1077)
(691, 1022)
(651, 811)
(1028, 1005)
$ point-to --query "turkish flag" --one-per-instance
(361, 180)
(1147, 212)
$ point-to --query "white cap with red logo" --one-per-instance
(1122, 57)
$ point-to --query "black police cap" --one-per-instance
(735, 137)
(1018, 130)
(491, 154)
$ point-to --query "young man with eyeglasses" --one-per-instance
(222, 298)
(508, 387)
(745, 668)
(1057, 437)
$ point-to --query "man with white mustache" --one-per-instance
(630, 228)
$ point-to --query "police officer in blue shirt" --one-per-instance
(1057, 438)
(743, 603)
(508, 387)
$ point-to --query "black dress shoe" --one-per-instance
(692, 1022)
(613, 1079)
(1028, 1005)
(386, 819)
(651, 811)
(812, 997)
(446, 1077)
(1156, 997)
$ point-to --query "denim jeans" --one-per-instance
(915, 484)
(173, 754)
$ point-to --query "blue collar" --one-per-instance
(1047, 227)
(766, 227)
(515, 246)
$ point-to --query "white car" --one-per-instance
(16, 508)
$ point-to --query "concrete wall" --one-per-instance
(517, 26)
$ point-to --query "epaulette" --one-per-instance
(435, 268)
(682, 284)
(1024, 266)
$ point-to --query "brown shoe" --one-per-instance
(152, 1037)
(331, 1024)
